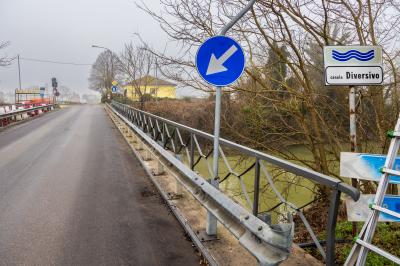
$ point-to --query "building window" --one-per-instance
(153, 91)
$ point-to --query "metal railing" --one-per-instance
(8, 117)
(170, 138)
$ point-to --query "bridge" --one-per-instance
(114, 185)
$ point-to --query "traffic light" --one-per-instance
(54, 83)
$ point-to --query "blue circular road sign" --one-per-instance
(220, 61)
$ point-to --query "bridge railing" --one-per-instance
(7, 115)
(187, 144)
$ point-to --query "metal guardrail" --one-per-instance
(170, 138)
(6, 117)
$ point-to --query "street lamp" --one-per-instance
(101, 47)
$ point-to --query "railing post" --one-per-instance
(164, 135)
(332, 219)
(144, 121)
(191, 151)
(256, 197)
(175, 139)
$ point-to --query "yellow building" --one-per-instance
(150, 85)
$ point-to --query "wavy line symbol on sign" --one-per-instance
(343, 57)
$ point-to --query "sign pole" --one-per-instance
(353, 126)
(353, 136)
(211, 226)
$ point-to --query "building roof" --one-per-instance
(151, 81)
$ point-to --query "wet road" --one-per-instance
(71, 193)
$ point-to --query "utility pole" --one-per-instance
(19, 73)
(156, 70)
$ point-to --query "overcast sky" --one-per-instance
(64, 30)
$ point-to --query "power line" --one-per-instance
(52, 62)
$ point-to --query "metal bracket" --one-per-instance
(237, 17)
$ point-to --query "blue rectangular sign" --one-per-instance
(359, 211)
(366, 166)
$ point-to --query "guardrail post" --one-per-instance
(256, 197)
(140, 146)
(160, 168)
(178, 185)
(332, 219)
(147, 155)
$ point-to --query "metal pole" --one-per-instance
(19, 73)
(156, 81)
(211, 226)
(353, 136)
(331, 234)
(353, 129)
(256, 197)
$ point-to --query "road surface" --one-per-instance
(72, 193)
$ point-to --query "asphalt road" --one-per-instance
(72, 193)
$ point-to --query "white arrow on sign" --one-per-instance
(217, 65)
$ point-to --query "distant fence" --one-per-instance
(188, 143)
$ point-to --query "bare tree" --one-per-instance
(137, 63)
(283, 98)
(4, 60)
(105, 70)
(2, 98)
(67, 95)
